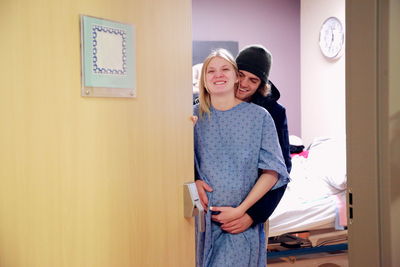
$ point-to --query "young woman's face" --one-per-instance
(220, 76)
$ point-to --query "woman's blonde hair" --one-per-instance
(204, 94)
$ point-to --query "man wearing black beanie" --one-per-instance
(254, 64)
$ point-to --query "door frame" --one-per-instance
(367, 126)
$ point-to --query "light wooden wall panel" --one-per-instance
(94, 182)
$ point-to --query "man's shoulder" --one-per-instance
(272, 106)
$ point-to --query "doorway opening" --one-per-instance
(311, 217)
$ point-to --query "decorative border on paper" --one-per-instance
(122, 33)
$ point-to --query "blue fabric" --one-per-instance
(230, 148)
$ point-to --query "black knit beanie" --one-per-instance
(255, 59)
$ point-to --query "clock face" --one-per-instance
(331, 37)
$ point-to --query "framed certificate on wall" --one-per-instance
(107, 58)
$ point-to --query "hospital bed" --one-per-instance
(311, 217)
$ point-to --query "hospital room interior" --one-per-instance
(309, 226)
(96, 155)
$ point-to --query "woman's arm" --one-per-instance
(265, 182)
(262, 209)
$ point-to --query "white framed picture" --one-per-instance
(107, 58)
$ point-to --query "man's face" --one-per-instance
(248, 85)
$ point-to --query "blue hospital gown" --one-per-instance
(230, 148)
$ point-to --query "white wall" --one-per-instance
(322, 80)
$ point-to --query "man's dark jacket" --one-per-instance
(262, 209)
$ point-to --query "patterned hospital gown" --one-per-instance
(230, 148)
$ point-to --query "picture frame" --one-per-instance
(107, 58)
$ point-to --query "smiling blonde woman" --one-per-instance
(237, 153)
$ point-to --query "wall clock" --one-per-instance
(331, 38)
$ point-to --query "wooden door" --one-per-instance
(94, 181)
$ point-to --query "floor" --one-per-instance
(331, 260)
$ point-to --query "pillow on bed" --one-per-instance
(327, 158)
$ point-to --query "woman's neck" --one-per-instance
(224, 102)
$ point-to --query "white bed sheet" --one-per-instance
(312, 197)
(303, 216)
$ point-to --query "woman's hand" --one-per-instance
(239, 225)
(227, 214)
(194, 119)
(202, 187)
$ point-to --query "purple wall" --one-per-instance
(272, 23)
